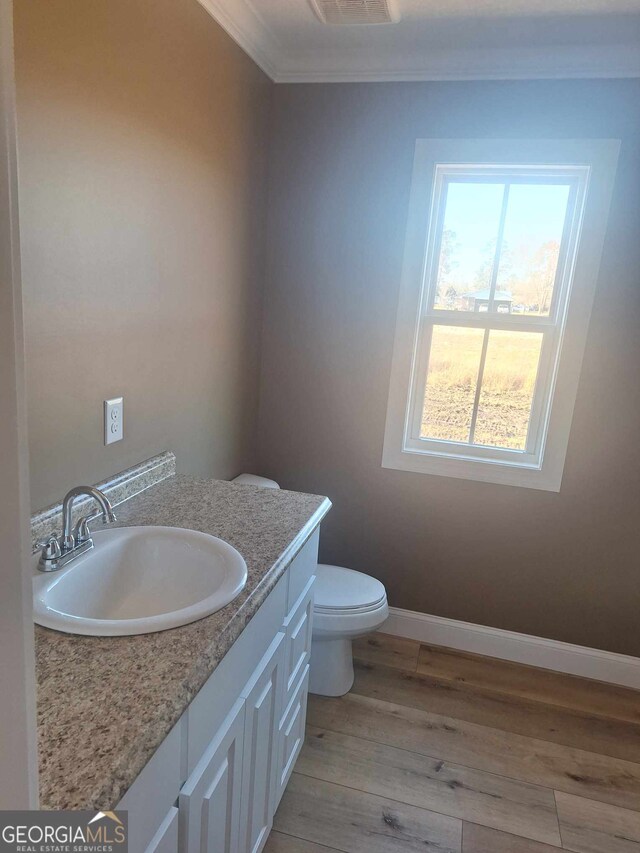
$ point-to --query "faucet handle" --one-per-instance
(81, 531)
(51, 549)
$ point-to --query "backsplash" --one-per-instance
(119, 488)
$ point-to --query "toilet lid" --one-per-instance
(337, 588)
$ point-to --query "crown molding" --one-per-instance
(247, 28)
(609, 63)
(249, 33)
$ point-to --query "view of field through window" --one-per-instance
(499, 254)
(504, 404)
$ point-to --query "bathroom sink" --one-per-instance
(137, 580)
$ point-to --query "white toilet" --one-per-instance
(347, 604)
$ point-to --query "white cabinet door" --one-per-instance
(262, 714)
(153, 794)
(210, 799)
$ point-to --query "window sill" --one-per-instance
(488, 471)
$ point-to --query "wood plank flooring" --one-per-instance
(441, 751)
(527, 682)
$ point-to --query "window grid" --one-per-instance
(549, 326)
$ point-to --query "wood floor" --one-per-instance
(443, 752)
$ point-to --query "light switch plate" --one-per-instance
(113, 430)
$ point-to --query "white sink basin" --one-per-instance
(137, 580)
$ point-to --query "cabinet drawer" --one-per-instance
(291, 735)
(298, 626)
(302, 568)
(166, 838)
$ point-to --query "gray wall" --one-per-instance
(142, 136)
(562, 565)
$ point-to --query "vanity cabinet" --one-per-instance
(215, 782)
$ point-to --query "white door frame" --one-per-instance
(19, 767)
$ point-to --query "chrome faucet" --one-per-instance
(58, 551)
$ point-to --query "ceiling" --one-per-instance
(440, 40)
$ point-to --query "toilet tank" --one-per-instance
(254, 480)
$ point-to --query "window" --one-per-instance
(503, 246)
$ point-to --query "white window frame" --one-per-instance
(589, 167)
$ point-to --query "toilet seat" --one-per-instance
(349, 623)
(347, 603)
(340, 591)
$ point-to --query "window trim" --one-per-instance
(593, 161)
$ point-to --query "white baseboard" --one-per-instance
(521, 648)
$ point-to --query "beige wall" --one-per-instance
(562, 565)
(142, 156)
(142, 131)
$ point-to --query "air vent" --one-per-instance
(355, 11)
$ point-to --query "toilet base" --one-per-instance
(331, 668)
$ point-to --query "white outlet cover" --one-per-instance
(113, 414)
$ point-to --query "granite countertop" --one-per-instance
(105, 704)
